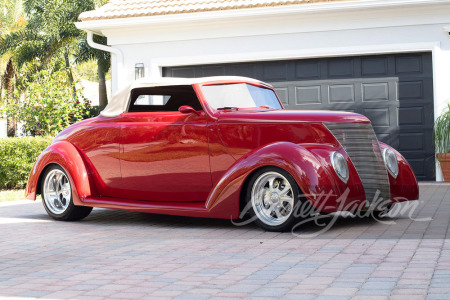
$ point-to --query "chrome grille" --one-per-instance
(361, 144)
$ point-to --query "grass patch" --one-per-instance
(12, 195)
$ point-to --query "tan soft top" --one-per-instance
(119, 101)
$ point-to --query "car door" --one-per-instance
(163, 152)
(99, 141)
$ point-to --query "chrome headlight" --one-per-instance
(339, 165)
(390, 161)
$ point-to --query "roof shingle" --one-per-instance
(115, 9)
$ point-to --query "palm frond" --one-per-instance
(441, 132)
(12, 16)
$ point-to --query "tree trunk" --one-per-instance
(9, 87)
(69, 73)
(102, 95)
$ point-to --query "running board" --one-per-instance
(190, 209)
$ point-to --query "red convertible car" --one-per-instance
(218, 147)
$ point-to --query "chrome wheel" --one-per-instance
(57, 191)
(272, 198)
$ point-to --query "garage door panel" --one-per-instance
(374, 66)
(412, 141)
(375, 91)
(307, 70)
(379, 117)
(424, 142)
(395, 91)
(413, 115)
(409, 64)
(246, 70)
(276, 71)
(283, 94)
(341, 93)
(408, 90)
(341, 67)
(308, 95)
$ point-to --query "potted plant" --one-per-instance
(442, 142)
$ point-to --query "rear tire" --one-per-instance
(57, 196)
(272, 196)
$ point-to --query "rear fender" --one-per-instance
(67, 156)
(313, 180)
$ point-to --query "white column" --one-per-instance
(441, 81)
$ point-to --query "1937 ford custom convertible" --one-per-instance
(218, 147)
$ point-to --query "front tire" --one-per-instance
(375, 214)
(381, 214)
(272, 196)
(57, 196)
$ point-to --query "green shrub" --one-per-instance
(48, 104)
(17, 157)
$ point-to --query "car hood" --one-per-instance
(284, 115)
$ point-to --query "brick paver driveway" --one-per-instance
(116, 254)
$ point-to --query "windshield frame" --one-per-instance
(214, 112)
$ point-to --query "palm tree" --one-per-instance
(46, 34)
(12, 20)
(50, 32)
(56, 18)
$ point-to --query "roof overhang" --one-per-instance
(99, 26)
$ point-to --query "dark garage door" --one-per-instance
(394, 91)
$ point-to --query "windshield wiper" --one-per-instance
(265, 106)
(228, 107)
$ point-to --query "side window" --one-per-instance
(160, 99)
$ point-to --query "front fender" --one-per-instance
(314, 180)
(405, 186)
(67, 156)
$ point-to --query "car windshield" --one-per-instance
(240, 95)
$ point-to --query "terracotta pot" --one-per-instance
(444, 161)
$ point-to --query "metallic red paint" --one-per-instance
(404, 187)
(288, 116)
(158, 150)
(68, 157)
(197, 164)
(97, 140)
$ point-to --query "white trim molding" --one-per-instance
(295, 54)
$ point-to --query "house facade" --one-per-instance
(386, 59)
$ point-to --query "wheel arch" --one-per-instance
(311, 178)
(67, 156)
